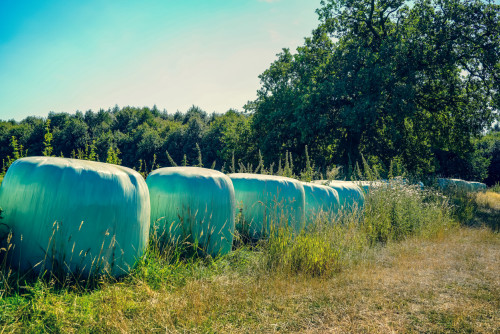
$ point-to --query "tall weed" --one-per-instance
(392, 212)
(395, 211)
(495, 188)
(322, 248)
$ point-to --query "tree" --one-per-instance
(488, 148)
(229, 134)
(47, 142)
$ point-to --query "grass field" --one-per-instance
(448, 284)
(445, 281)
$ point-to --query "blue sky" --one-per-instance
(73, 55)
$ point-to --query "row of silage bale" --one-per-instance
(91, 217)
(73, 215)
(460, 185)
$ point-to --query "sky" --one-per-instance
(70, 55)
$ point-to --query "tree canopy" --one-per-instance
(387, 79)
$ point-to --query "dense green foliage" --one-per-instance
(415, 81)
(134, 137)
(488, 149)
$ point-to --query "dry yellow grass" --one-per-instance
(489, 200)
(449, 284)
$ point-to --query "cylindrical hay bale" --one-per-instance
(266, 199)
(320, 199)
(445, 183)
(350, 195)
(193, 204)
(77, 216)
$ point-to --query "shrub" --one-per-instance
(396, 211)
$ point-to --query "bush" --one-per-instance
(317, 251)
(396, 211)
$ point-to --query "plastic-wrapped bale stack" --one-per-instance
(453, 184)
(266, 199)
(460, 185)
(320, 199)
(351, 196)
(78, 216)
(478, 186)
(193, 204)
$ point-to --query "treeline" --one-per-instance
(146, 138)
(138, 137)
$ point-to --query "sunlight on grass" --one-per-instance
(489, 200)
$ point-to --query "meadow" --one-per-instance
(412, 260)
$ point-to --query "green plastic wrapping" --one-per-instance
(78, 216)
(193, 204)
(320, 199)
(351, 196)
(266, 199)
(461, 185)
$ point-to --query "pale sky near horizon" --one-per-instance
(73, 55)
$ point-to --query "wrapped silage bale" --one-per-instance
(460, 185)
(364, 185)
(320, 199)
(267, 199)
(78, 216)
(453, 184)
(478, 186)
(193, 204)
(350, 194)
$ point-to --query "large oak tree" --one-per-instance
(385, 78)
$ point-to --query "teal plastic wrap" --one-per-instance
(266, 199)
(365, 186)
(193, 204)
(73, 215)
(320, 199)
(350, 195)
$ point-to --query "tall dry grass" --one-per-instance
(489, 200)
